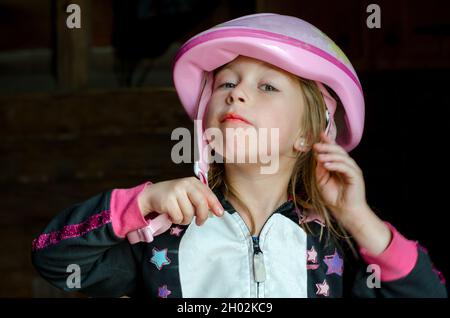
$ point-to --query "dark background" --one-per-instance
(90, 109)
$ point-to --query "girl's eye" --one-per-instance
(269, 88)
(227, 85)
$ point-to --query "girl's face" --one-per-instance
(263, 96)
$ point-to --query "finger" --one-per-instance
(326, 138)
(343, 168)
(324, 147)
(212, 200)
(323, 175)
(337, 157)
(174, 212)
(186, 207)
(201, 205)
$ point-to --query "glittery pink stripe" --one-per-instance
(72, 231)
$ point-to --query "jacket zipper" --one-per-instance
(259, 269)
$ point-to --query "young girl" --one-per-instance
(294, 232)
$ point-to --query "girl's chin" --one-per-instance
(241, 156)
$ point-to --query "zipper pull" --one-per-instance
(259, 268)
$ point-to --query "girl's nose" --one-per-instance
(235, 96)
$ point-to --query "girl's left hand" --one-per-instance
(340, 181)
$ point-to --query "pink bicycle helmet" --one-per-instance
(284, 41)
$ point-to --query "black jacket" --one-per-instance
(220, 258)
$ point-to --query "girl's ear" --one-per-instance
(301, 144)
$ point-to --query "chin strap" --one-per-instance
(162, 223)
(201, 165)
(158, 225)
(203, 176)
(331, 104)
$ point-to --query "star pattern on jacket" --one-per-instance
(176, 231)
(163, 292)
(159, 258)
(335, 263)
(311, 255)
(323, 288)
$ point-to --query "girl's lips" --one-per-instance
(233, 117)
(235, 120)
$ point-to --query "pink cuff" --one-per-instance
(125, 213)
(397, 260)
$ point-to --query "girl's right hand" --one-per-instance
(181, 200)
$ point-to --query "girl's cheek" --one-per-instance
(211, 114)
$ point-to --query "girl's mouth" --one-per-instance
(233, 117)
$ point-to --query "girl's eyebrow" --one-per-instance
(222, 68)
(283, 75)
(269, 71)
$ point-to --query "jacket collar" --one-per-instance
(287, 208)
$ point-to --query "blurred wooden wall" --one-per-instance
(58, 148)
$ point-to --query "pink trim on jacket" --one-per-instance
(125, 213)
(397, 260)
(71, 231)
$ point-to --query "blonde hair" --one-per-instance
(303, 184)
